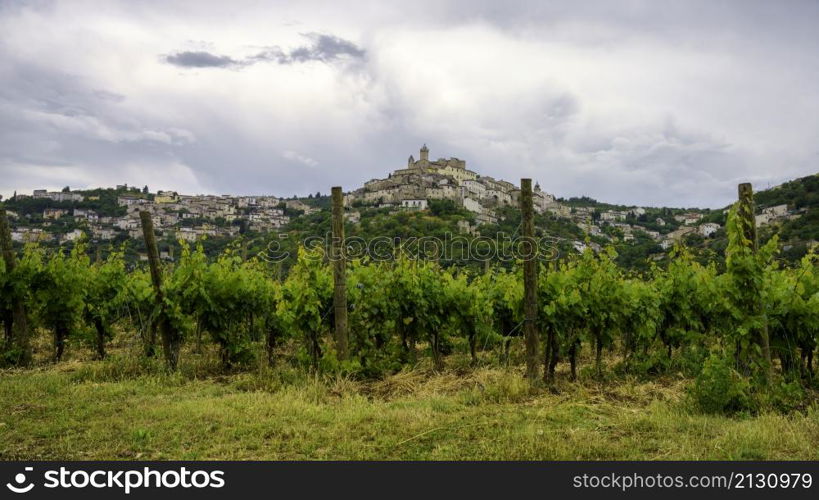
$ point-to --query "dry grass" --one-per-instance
(128, 408)
(489, 414)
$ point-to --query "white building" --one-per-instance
(57, 195)
(127, 201)
(708, 229)
(688, 219)
(85, 213)
(127, 224)
(611, 216)
(66, 196)
(486, 217)
(414, 204)
(73, 235)
(103, 233)
(776, 211)
(472, 205)
(30, 235)
(474, 188)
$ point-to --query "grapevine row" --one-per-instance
(402, 308)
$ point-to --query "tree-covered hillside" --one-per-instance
(798, 232)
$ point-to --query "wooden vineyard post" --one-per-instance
(746, 210)
(170, 338)
(339, 274)
(528, 251)
(18, 333)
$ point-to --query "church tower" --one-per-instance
(424, 153)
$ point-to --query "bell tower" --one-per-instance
(424, 153)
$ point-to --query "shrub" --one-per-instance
(782, 396)
(719, 389)
(689, 359)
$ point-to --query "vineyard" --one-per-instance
(745, 334)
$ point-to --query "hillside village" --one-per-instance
(192, 217)
(183, 217)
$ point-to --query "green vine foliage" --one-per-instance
(504, 291)
(747, 271)
(61, 293)
(471, 311)
(423, 306)
(231, 301)
(105, 298)
(600, 287)
(307, 303)
(373, 318)
(22, 285)
(683, 297)
(679, 310)
(563, 311)
(792, 311)
(640, 316)
(139, 304)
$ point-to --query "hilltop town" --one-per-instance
(111, 215)
(444, 179)
(424, 179)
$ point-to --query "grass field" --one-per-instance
(84, 409)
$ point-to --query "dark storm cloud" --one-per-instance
(200, 59)
(326, 48)
(323, 48)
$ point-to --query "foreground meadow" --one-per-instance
(126, 408)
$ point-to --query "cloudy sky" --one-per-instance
(645, 102)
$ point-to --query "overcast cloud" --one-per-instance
(644, 102)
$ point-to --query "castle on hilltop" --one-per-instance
(423, 180)
(452, 167)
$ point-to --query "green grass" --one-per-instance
(85, 410)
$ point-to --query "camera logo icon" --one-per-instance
(20, 478)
